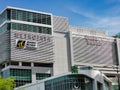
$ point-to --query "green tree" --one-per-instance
(74, 69)
(7, 83)
(118, 35)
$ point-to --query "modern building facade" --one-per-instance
(90, 80)
(35, 45)
(27, 45)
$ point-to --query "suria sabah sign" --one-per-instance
(29, 40)
(29, 36)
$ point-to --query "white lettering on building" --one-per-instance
(35, 37)
(91, 40)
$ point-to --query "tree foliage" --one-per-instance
(118, 35)
(74, 69)
(7, 83)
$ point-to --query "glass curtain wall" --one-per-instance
(31, 28)
(21, 76)
(5, 16)
(70, 82)
(40, 76)
(31, 17)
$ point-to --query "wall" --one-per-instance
(44, 52)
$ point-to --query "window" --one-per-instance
(19, 15)
(22, 76)
(31, 17)
(99, 86)
(40, 76)
(48, 19)
(5, 27)
(14, 14)
(3, 17)
(26, 64)
(107, 86)
(8, 14)
(14, 63)
(31, 28)
(43, 64)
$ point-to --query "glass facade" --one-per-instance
(31, 28)
(70, 82)
(22, 76)
(6, 73)
(21, 15)
(115, 87)
(5, 27)
(5, 16)
(40, 76)
(99, 86)
(31, 17)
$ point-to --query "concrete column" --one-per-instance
(33, 75)
(118, 50)
(71, 48)
(94, 85)
(32, 64)
(20, 63)
(5, 64)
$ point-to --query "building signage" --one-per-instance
(95, 41)
(26, 44)
(20, 43)
(29, 36)
(31, 45)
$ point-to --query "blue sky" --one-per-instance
(99, 14)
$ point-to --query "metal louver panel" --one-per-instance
(44, 52)
(60, 24)
(93, 54)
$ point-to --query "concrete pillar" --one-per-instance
(32, 64)
(71, 48)
(118, 50)
(94, 85)
(20, 63)
(33, 75)
(5, 64)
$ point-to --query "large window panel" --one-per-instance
(3, 17)
(40, 76)
(14, 14)
(43, 19)
(48, 17)
(31, 28)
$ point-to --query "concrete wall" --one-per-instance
(62, 54)
(93, 49)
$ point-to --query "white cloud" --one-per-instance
(109, 22)
(112, 25)
(83, 13)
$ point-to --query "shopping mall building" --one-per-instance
(36, 45)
